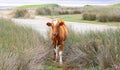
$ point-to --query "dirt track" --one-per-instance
(39, 24)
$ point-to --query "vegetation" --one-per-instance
(21, 13)
(78, 18)
(73, 18)
(57, 10)
(102, 14)
(91, 51)
(20, 47)
(117, 5)
(89, 16)
(37, 6)
(108, 15)
(92, 14)
(101, 48)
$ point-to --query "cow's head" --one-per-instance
(55, 24)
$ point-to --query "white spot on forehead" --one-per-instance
(55, 21)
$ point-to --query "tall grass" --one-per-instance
(100, 49)
(102, 14)
(21, 48)
(91, 51)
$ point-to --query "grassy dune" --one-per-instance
(117, 5)
(38, 6)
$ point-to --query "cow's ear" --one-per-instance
(48, 24)
(61, 22)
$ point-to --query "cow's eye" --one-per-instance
(57, 25)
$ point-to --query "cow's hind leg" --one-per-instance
(56, 49)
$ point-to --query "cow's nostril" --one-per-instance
(54, 34)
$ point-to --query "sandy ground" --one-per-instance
(39, 24)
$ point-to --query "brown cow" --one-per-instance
(58, 35)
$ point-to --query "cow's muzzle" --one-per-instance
(54, 34)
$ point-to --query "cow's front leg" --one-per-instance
(57, 49)
(54, 57)
(60, 54)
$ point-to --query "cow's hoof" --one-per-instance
(54, 61)
(60, 65)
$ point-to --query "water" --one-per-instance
(6, 7)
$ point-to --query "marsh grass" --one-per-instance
(92, 50)
(21, 48)
(100, 48)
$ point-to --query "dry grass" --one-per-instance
(90, 51)
(101, 48)
(21, 13)
(21, 48)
